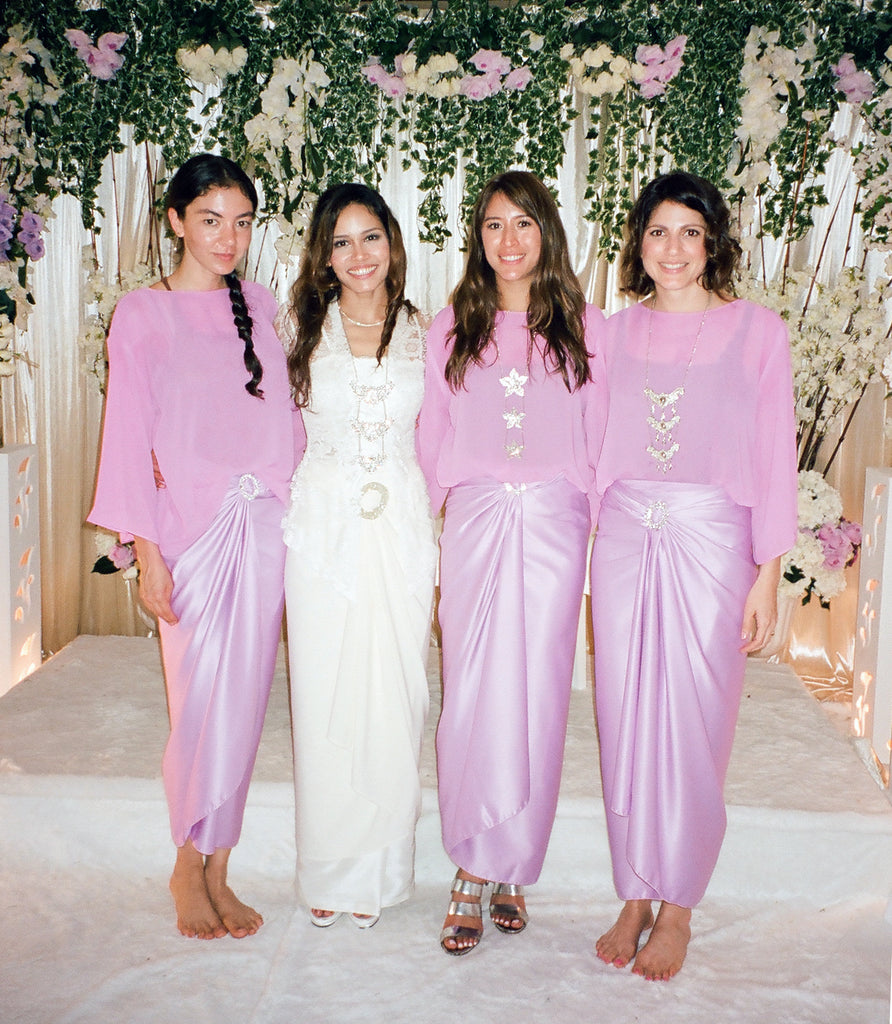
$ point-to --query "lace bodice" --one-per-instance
(360, 464)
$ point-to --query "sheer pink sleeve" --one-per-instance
(126, 496)
(775, 510)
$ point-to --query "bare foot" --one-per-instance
(467, 929)
(663, 954)
(618, 945)
(196, 916)
(238, 918)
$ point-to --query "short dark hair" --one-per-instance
(722, 249)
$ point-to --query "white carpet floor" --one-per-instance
(794, 928)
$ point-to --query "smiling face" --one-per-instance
(216, 232)
(512, 244)
(360, 252)
(673, 253)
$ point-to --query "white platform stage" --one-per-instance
(793, 930)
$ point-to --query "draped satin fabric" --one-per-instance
(219, 661)
(671, 568)
(511, 575)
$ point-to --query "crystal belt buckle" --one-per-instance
(249, 486)
(655, 515)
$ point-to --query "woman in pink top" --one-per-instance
(503, 435)
(698, 481)
(209, 542)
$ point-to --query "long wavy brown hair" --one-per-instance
(317, 287)
(556, 301)
(686, 189)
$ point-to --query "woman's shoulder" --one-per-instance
(759, 321)
(258, 296)
(441, 325)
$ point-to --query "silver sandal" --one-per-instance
(458, 908)
(509, 910)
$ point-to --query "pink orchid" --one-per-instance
(845, 67)
(670, 68)
(856, 85)
(477, 87)
(393, 86)
(650, 89)
(675, 47)
(518, 79)
(491, 60)
(649, 54)
(81, 42)
(376, 73)
(102, 60)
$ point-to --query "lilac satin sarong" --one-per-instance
(671, 569)
(228, 592)
(512, 571)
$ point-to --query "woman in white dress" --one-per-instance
(360, 563)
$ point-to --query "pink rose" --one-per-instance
(121, 556)
(491, 60)
(518, 79)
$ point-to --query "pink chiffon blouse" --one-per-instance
(176, 386)
(737, 426)
(466, 434)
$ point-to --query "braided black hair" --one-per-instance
(198, 175)
(244, 325)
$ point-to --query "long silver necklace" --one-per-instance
(665, 404)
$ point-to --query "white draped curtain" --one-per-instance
(54, 402)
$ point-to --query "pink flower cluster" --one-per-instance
(30, 228)
(655, 66)
(496, 74)
(840, 543)
(391, 85)
(102, 60)
(495, 70)
(856, 85)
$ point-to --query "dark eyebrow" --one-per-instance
(215, 213)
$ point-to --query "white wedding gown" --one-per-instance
(359, 583)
